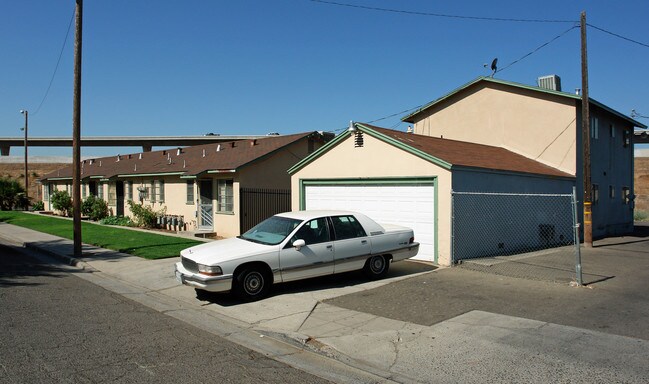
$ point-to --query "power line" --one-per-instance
(67, 33)
(538, 48)
(442, 14)
(618, 36)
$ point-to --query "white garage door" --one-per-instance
(408, 205)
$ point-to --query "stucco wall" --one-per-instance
(375, 160)
(611, 170)
(536, 125)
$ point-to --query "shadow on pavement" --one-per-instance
(640, 234)
(340, 280)
(16, 265)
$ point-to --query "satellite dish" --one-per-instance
(494, 67)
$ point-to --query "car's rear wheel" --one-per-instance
(377, 267)
(251, 284)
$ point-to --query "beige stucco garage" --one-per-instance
(407, 179)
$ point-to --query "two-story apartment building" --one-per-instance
(544, 124)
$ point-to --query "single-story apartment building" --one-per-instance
(223, 188)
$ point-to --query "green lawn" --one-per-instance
(142, 244)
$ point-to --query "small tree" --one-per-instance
(145, 216)
(61, 201)
(12, 194)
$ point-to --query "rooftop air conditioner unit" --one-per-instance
(551, 82)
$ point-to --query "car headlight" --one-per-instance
(209, 270)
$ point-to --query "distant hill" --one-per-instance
(36, 170)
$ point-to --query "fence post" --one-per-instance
(452, 228)
(576, 236)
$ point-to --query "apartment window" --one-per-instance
(225, 195)
(128, 190)
(100, 190)
(594, 128)
(112, 194)
(612, 128)
(190, 191)
(595, 194)
(83, 190)
(611, 191)
(626, 195)
(158, 191)
(47, 191)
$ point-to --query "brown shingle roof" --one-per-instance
(465, 154)
(187, 161)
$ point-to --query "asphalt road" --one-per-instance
(56, 327)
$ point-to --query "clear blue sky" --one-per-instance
(258, 66)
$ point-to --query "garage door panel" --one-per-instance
(408, 205)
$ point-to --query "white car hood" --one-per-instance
(224, 250)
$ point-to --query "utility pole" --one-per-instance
(76, 131)
(585, 137)
(26, 113)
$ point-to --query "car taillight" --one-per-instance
(412, 240)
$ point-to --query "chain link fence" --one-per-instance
(532, 236)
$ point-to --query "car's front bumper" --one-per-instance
(207, 283)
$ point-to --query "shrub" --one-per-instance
(61, 201)
(94, 207)
(12, 194)
(86, 205)
(145, 216)
(117, 220)
(640, 216)
(38, 206)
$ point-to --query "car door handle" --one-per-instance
(364, 242)
(329, 246)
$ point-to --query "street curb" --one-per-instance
(71, 261)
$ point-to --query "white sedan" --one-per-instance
(292, 246)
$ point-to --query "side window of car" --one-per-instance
(347, 227)
(313, 232)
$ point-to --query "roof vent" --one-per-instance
(358, 139)
(253, 142)
(179, 151)
(118, 157)
(233, 144)
(91, 161)
(203, 152)
(218, 148)
(551, 82)
(140, 157)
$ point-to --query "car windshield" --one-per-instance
(271, 231)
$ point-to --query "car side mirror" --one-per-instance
(299, 244)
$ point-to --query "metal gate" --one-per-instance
(531, 236)
(257, 204)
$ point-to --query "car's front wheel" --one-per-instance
(377, 267)
(251, 284)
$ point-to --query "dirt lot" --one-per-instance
(641, 182)
(36, 170)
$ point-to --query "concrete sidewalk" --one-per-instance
(367, 346)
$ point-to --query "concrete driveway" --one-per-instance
(421, 324)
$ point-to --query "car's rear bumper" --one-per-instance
(405, 252)
(207, 283)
